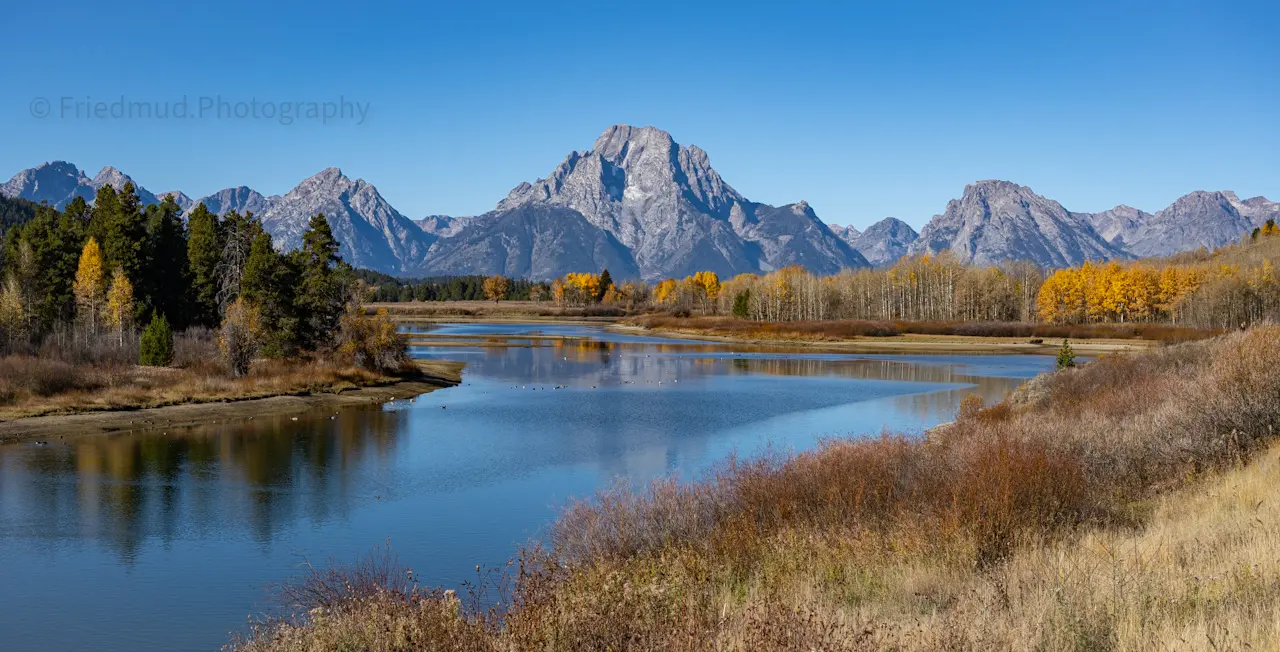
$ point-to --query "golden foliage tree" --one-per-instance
(89, 285)
(240, 335)
(496, 287)
(13, 316)
(120, 305)
(576, 289)
(371, 342)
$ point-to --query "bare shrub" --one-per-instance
(197, 348)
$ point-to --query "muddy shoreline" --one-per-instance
(51, 427)
(910, 344)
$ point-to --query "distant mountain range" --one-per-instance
(642, 205)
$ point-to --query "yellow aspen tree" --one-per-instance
(89, 285)
(13, 314)
(496, 287)
(119, 313)
(664, 291)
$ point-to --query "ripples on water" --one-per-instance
(165, 540)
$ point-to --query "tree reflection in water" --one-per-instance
(259, 474)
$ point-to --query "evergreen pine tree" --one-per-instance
(319, 298)
(157, 343)
(106, 206)
(742, 304)
(122, 228)
(54, 240)
(268, 282)
(167, 267)
(78, 210)
(205, 242)
(605, 282)
(1066, 355)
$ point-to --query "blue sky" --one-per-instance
(864, 110)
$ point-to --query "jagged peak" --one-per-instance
(1200, 196)
(614, 139)
(329, 175)
(890, 223)
(61, 166)
(995, 185)
(111, 172)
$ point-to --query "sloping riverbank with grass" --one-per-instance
(1125, 504)
(94, 399)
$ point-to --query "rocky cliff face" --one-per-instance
(442, 226)
(1118, 225)
(1257, 209)
(884, 242)
(996, 221)
(372, 234)
(846, 233)
(59, 182)
(643, 205)
(240, 199)
(180, 198)
(1200, 219)
(538, 241)
(665, 203)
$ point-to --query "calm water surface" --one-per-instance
(169, 540)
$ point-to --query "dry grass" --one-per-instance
(850, 329)
(491, 310)
(1125, 505)
(37, 386)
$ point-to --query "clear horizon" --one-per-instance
(864, 113)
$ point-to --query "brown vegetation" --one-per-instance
(69, 375)
(849, 329)
(1100, 507)
(488, 310)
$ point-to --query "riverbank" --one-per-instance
(905, 344)
(1125, 504)
(503, 311)
(835, 336)
(169, 399)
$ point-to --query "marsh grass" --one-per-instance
(837, 329)
(1128, 504)
(70, 375)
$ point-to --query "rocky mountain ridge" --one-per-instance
(643, 205)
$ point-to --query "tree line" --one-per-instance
(104, 268)
(386, 288)
(1232, 287)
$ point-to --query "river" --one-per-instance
(171, 540)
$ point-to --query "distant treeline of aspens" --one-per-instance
(1230, 288)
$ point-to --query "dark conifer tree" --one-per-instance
(205, 242)
(268, 281)
(78, 209)
(106, 207)
(121, 229)
(54, 240)
(319, 299)
(605, 281)
(168, 275)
